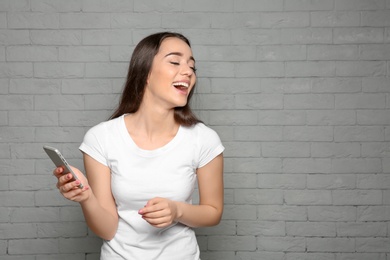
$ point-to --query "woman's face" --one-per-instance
(172, 75)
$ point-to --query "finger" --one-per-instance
(58, 172)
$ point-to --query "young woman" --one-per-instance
(142, 164)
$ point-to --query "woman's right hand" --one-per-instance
(68, 187)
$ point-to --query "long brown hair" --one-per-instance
(139, 69)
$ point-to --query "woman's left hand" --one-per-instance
(160, 212)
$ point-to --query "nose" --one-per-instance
(187, 70)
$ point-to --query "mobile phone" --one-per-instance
(59, 161)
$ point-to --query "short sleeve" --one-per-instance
(210, 145)
(93, 144)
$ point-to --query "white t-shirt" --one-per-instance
(139, 175)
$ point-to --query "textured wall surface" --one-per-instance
(299, 91)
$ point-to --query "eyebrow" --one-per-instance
(179, 54)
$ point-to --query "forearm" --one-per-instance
(103, 223)
(198, 215)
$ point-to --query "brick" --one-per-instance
(107, 37)
(262, 5)
(35, 86)
(240, 180)
(360, 5)
(375, 244)
(377, 18)
(82, 118)
(306, 36)
(358, 133)
(255, 37)
(281, 53)
(285, 149)
(17, 134)
(373, 213)
(225, 53)
(360, 68)
(257, 197)
(361, 256)
(331, 181)
(373, 117)
(108, 6)
(180, 20)
(239, 212)
(284, 244)
(307, 197)
(373, 181)
(57, 102)
(335, 19)
(227, 227)
(240, 117)
(86, 54)
(331, 244)
(58, 70)
(259, 101)
(331, 117)
(357, 197)
(229, 85)
(258, 133)
(205, 6)
(18, 230)
(33, 118)
(9, 5)
(376, 84)
(311, 229)
(242, 149)
(16, 70)
(309, 101)
(259, 255)
(16, 102)
(33, 246)
(150, 5)
(332, 213)
(251, 165)
(285, 20)
(333, 52)
(232, 243)
(281, 213)
(281, 181)
(261, 228)
(56, 37)
(259, 69)
(35, 215)
(374, 52)
(358, 35)
(337, 85)
(281, 117)
(235, 20)
(84, 20)
(360, 101)
(336, 150)
(310, 69)
(47, 6)
(58, 134)
(361, 229)
(26, 20)
(307, 133)
(80, 245)
(308, 256)
(308, 5)
(8, 37)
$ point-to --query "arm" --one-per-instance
(161, 212)
(99, 209)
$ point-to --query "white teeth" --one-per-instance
(183, 84)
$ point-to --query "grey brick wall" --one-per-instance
(299, 91)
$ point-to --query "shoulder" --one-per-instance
(101, 130)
